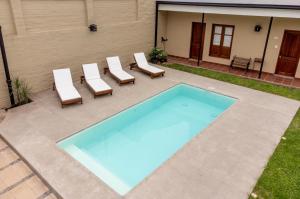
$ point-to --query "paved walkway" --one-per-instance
(267, 77)
(17, 180)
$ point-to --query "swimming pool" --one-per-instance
(129, 146)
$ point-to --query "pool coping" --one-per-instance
(139, 103)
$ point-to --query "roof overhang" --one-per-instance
(234, 9)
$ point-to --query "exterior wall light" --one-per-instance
(164, 39)
(93, 28)
(257, 28)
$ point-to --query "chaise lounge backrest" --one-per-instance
(91, 71)
(140, 59)
(114, 63)
(63, 78)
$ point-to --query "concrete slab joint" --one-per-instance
(17, 13)
(90, 11)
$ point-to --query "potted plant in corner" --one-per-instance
(163, 56)
(21, 91)
(158, 55)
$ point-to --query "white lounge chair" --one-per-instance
(94, 81)
(63, 84)
(143, 65)
(117, 72)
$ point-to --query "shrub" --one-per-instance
(158, 55)
(21, 91)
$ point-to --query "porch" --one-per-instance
(252, 74)
(215, 33)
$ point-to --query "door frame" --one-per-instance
(281, 46)
(203, 39)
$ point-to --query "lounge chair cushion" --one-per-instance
(63, 77)
(152, 69)
(91, 71)
(67, 93)
(64, 84)
(122, 75)
(93, 79)
(114, 63)
(98, 85)
(142, 62)
(116, 69)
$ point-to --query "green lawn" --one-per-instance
(281, 178)
(250, 83)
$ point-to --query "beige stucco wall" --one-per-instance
(246, 42)
(276, 36)
(162, 28)
(179, 26)
(43, 35)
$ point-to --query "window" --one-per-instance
(221, 41)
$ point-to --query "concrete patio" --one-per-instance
(224, 161)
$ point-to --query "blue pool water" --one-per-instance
(129, 146)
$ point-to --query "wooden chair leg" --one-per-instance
(248, 67)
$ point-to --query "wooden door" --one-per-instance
(289, 54)
(197, 28)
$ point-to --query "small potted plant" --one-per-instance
(154, 55)
(163, 56)
(158, 55)
(21, 91)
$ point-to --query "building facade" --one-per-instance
(44, 35)
(229, 30)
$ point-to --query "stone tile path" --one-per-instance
(17, 180)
